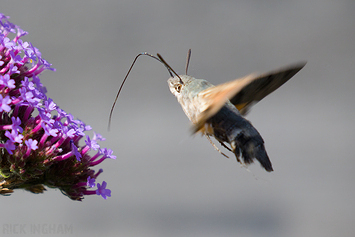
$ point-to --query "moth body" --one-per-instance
(218, 110)
(227, 125)
(245, 141)
(188, 94)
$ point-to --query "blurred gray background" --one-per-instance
(166, 182)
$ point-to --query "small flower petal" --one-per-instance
(101, 190)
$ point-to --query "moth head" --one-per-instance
(177, 84)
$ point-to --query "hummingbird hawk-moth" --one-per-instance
(218, 111)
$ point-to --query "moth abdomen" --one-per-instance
(230, 127)
(250, 148)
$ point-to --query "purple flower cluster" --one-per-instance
(39, 142)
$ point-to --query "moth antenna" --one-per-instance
(169, 68)
(187, 60)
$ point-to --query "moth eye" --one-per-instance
(178, 88)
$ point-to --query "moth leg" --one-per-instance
(215, 147)
(224, 145)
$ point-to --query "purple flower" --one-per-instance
(29, 85)
(91, 143)
(69, 132)
(15, 58)
(10, 146)
(39, 142)
(7, 43)
(101, 190)
(75, 151)
(13, 69)
(16, 122)
(98, 137)
(107, 153)
(14, 136)
(4, 103)
(31, 144)
(50, 105)
(90, 182)
(6, 81)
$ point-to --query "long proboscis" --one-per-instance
(159, 58)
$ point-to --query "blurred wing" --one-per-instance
(242, 92)
(262, 86)
(212, 99)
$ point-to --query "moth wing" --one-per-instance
(212, 99)
(262, 86)
(243, 92)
